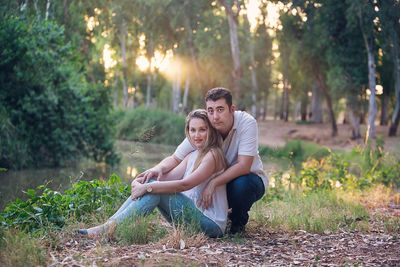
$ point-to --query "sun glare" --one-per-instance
(254, 12)
(109, 62)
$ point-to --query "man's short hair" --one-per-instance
(218, 93)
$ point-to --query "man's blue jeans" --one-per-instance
(242, 192)
(174, 207)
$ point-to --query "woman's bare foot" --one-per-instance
(97, 230)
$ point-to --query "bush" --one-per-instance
(51, 208)
(149, 125)
(54, 115)
(295, 151)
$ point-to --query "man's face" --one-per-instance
(220, 115)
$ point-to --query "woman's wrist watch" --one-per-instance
(149, 189)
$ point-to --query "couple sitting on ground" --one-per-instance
(215, 168)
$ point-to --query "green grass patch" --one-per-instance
(316, 212)
(140, 230)
(17, 248)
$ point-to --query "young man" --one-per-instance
(245, 177)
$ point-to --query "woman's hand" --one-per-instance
(138, 189)
(206, 200)
(153, 173)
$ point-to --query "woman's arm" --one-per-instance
(177, 172)
(202, 173)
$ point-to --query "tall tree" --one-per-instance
(232, 11)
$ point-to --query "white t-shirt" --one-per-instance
(218, 211)
(241, 140)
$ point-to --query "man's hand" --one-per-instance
(153, 173)
(138, 189)
(206, 199)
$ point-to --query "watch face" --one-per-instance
(149, 188)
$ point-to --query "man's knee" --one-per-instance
(238, 186)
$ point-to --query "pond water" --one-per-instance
(136, 157)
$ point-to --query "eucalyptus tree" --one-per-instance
(365, 14)
(263, 57)
(389, 18)
(232, 10)
(311, 34)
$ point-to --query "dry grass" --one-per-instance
(180, 237)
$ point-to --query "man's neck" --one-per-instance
(225, 135)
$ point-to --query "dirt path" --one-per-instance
(275, 133)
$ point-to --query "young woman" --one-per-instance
(177, 193)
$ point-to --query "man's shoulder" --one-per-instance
(243, 118)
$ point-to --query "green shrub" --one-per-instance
(54, 115)
(296, 152)
(51, 208)
(149, 125)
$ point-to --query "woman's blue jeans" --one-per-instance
(174, 207)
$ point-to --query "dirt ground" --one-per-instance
(276, 133)
(259, 246)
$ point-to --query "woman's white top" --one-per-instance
(218, 211)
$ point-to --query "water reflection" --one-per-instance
(136, 157)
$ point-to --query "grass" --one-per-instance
(316, 212)
(19, 249)
(140, 231)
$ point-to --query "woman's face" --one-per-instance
(198, 132)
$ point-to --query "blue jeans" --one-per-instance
(242, 192)
(174, 207)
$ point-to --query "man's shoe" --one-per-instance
(237, 229)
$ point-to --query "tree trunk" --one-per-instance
(285, 95)
(385, 109)
(265, 108)
(234, 40)
(176, 89)
(149, 57)
(372, 108)
(190, 43)
(185, 95)
(396, 68)
(252, 68)
(355, 122)
(124, 64)
(316, 104)
(115, 100)
(37, 9)
(303, 107)
(47, 9)
(324, 88)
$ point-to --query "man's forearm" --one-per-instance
(167, 164)
(231, 173)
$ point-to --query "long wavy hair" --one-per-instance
(213, 141)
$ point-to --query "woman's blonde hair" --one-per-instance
(213, 141)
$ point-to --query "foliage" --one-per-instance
(53, 208)
(17, 248)
(54, 115)
(147, 125)
(295, 151)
